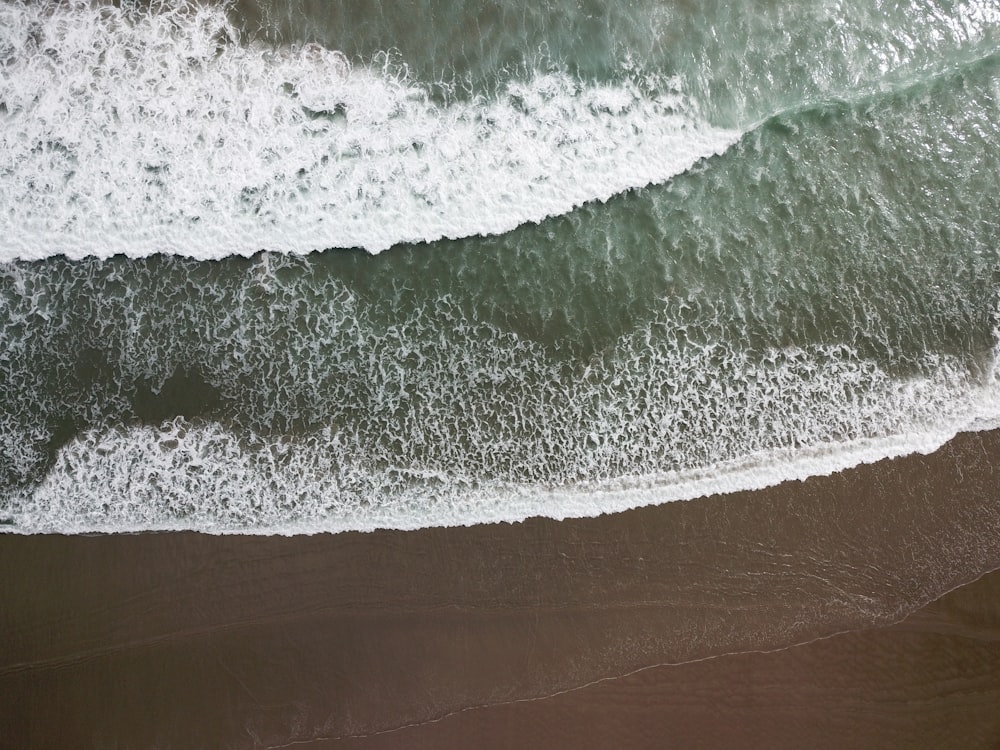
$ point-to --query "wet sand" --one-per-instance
(932, 681)
(187, 640)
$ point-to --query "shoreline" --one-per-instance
(186, 639)
(504, 504)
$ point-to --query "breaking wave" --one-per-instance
(138, 132)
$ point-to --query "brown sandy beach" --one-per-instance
(806, 615)
(930, 681)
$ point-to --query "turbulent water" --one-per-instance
(308, 266)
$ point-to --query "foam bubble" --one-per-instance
(135, 132)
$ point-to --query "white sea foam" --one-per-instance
(204, 477)
(144, 479)
(136, 132)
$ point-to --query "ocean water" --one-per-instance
(307, 266)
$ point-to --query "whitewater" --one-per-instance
(138, 133)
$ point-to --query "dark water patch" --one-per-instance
(186, 393)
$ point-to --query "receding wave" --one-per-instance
(662, 421)
(136, 132)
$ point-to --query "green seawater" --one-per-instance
(832, 277)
